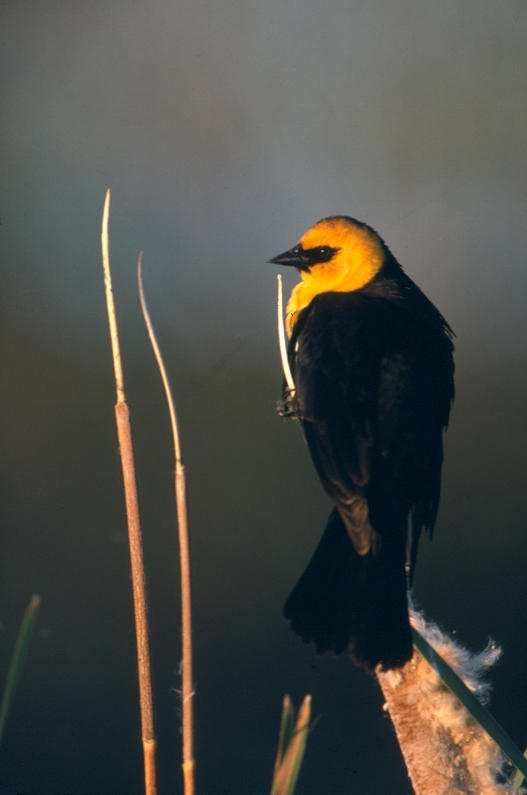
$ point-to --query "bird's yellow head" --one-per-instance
(337, 254)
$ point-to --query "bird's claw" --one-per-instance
(286, 407)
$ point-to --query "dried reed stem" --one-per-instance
(281, 339)
(187, 689)
(124, 433)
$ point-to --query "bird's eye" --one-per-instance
(323, 253)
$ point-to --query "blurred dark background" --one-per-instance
(225, 129)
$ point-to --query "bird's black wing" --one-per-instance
(373, 388)
(373, 373)
(335, 375)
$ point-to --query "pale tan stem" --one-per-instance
(124, 433)
(109, 301)
(281, 339)
(187, 688)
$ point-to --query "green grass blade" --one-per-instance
(286, 772)
(471, 703)
(517, 781)
(17, 660)
(287, 727)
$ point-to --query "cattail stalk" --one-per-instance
(124, 432)
(187, 687)
(446, 751)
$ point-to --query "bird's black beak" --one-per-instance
(296, 257)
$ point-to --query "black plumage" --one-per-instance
(373, 372)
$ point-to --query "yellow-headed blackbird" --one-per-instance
(371, 359)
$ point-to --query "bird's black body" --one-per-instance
(373, 372)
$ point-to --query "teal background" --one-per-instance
(225, 129)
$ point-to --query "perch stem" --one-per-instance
(283, 346)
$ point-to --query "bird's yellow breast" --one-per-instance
(359, 258)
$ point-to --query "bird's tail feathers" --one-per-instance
(346, 599)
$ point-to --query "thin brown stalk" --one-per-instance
(187, 689)
(124, 433)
